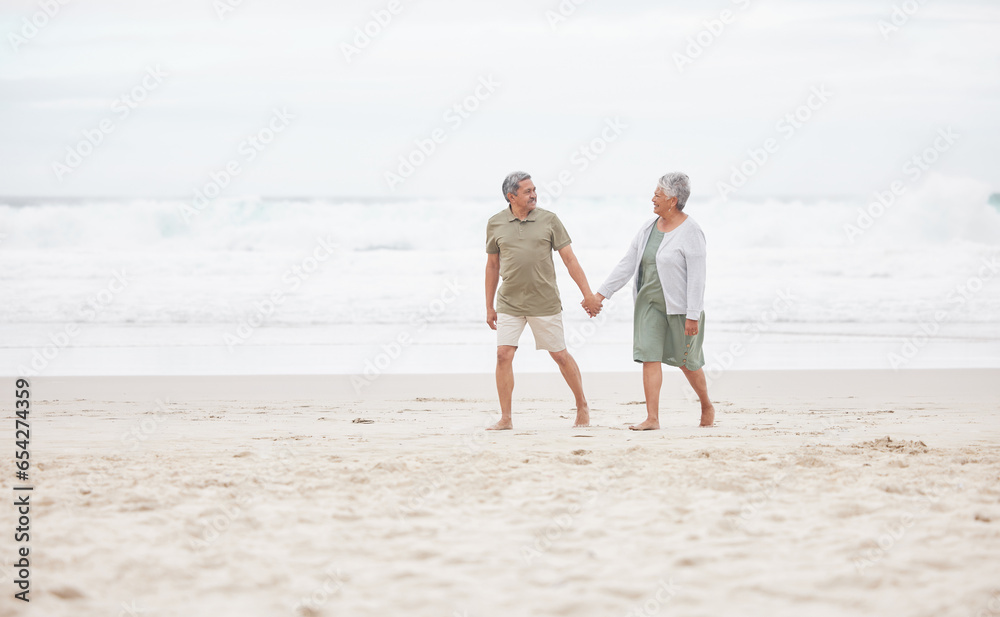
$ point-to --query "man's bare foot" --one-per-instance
(582, 417)
(707, 415)
(648, 425)
(502, 425)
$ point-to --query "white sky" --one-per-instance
(557, 88)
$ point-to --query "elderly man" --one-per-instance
(519, 244)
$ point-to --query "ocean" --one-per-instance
(368, 287)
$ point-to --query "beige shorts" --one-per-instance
(548, 331)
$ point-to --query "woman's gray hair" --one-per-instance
(513, 181)
(676, 184)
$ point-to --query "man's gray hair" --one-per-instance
(513, 181)
(676, 184)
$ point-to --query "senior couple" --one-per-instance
(666, 259)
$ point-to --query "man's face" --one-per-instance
(526, 197)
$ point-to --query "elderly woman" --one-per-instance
(667, 260)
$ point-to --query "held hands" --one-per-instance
(593, 304)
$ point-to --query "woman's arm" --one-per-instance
(695, 254)
(623, 272)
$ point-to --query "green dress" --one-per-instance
(659, 337)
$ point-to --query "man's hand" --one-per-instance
(593, 304)
(491, 318)
(691, 327)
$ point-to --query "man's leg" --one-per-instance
(652, 379)
(505, 386)
(700, 384)
(571, 373)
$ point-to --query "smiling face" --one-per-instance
(661, 203)
(526, 198)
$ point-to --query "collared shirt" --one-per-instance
(526, 267)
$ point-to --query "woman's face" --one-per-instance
(661, 203)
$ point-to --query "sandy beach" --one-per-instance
(817, 493)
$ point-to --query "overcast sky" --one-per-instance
(212, 81)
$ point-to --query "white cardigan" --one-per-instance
(680, 263)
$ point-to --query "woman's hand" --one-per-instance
(593, 304)
(691, 327)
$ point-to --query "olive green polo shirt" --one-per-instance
(525, 247)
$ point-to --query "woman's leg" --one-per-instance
(700, 385)
(652, 379)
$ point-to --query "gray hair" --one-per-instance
(513, 181)
(676, 184)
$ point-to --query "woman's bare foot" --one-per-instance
(504, 424)
(582, 417)
(648, 425)
(707, 415)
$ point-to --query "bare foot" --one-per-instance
(707, 415)
(502, 425)
(648, 425)
(582, 417)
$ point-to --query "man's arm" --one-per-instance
(492, 280)
(576, 272)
